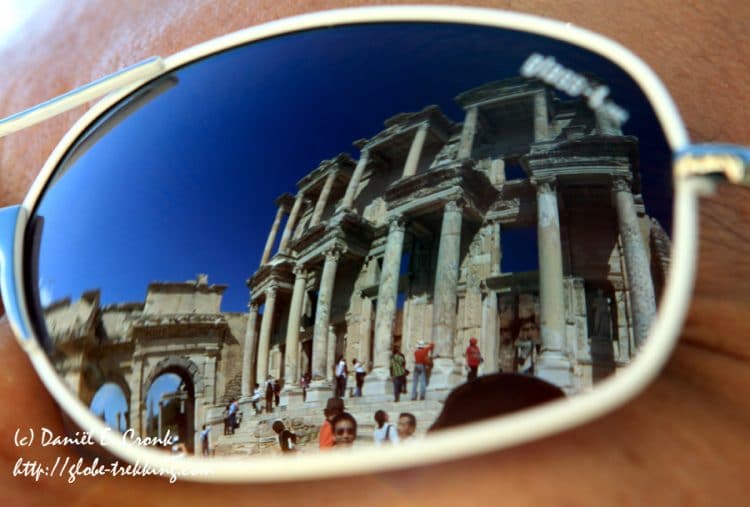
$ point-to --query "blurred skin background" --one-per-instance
(683, 441)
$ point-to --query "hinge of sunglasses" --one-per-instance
(147, 69)
(732, 162)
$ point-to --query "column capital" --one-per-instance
(299, 270)
(622, 184)
(270, 291)
(334, 253)
(547, 185)
(455, 205)
(253, 306)
(397, 223)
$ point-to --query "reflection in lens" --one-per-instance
(486, 227)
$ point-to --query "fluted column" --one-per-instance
(496, 253)
(446, 281)
(468, 133)
(446, 373)
(290, 223)
(541, 117)
(266, 326)
(489, 334)
(272, 236)
(291, 358)
(330, 354)
(320, 206)
(365, 338)
(552, 364)
(415, 152)
(640, 283)
(248, 354)
(320, 389)
(351, 189)
(385, 313)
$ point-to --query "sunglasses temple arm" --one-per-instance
(733, 162)
(144, 70)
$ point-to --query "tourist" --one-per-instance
(334, 407)
(473, 359)
(178, 449)
(269, 395)
(359, 374)
(344, 429)
(341, 372)
(406, 426)
(422, 359)
(398, 372)
(385, 432)
(205, 436)
(304, 384)
(287, 439)
(276, 392)
(232, 416)
(226, 418)
(256, 397)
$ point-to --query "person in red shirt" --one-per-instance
(473, 359)
(422, 359)
(334, 407)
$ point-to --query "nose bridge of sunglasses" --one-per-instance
(730, 161)
(141, 71)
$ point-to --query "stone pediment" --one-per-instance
(602, 157)
(430, 190)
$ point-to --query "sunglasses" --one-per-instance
(495, 213)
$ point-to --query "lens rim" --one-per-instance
(472, 438)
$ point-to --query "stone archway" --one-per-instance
(190, 374)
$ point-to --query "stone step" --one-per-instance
(255, 436)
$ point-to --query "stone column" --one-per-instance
(319, 388)
(496, 254)
(365, 337)
(468, 133)
(292, 393)
(330, 354)
(640, 283)
(248, 353)
(446, 372)
(272, 236)
(552, 364)
(320, 206)
(266, 325)
(415, 152)
(489, 334)
(379, 380)
(541, 117)
(351, 189)
(290, 223)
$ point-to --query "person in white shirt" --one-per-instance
(359, 374)
(385, 433)
(341, 377)
(256, 397)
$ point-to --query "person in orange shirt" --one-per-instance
(421, 360)
(334, 407)
(473, 359)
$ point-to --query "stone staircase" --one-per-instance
(255, 435)
(233, 389)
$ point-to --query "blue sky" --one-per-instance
(185, 184)
(110, 399)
